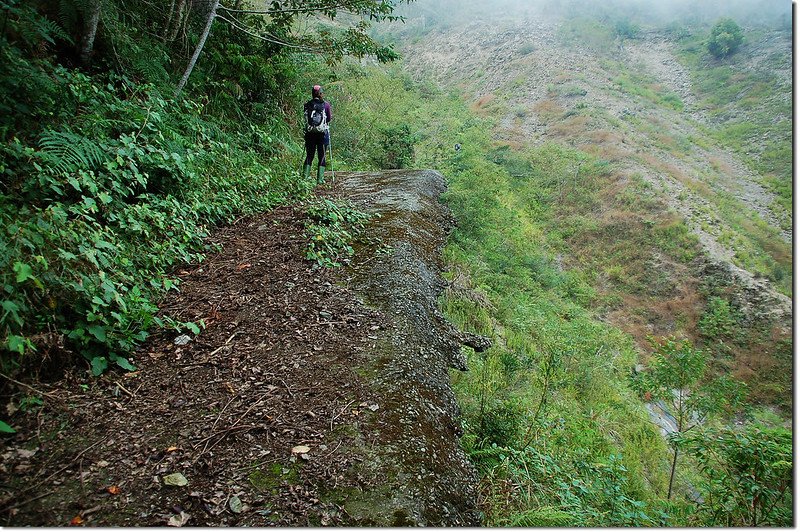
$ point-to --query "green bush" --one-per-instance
(725, 38)
(500, 423)
(626, 29)
(108, 186)
(747, 477)
(719, 321)
(397, 147)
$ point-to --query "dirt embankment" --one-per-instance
(313, 397)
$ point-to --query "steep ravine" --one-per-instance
(527, 73)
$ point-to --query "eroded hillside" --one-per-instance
(637, 104)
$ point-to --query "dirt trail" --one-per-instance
(313, 397)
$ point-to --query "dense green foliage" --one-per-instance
(108, 183)
(747, 476)
(725, 38)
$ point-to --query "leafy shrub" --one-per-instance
(526, 49)
(747, 476)
(331, 229)
(98, 212)
(719, 320)
(626, 29)
(726, 36)
(397, 147)
(500, 423)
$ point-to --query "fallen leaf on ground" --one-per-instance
(182, 339)
(300, 449)
(171, 449)
(243, 266)
(114, 490)
(179, 520)
(25, 453)
(175, 479)
(77, 520)
(235, 504)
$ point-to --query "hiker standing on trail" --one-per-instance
(317, 115)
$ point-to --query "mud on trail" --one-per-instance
(313, 397)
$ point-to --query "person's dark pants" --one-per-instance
(315, 141)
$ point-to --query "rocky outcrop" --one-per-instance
(429, 481)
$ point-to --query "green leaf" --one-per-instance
(66, 255)
(125, 364)
(98, 331)
(23, 271)
(192, 327)
(6, 428)
(16, 344)
(10, 306)
(99, 365)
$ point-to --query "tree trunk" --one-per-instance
(211, 16)
(175, 23)
(169, 21)
(680, 421)
(672, 473)
(91, 18)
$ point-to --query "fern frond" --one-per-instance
(50, 30)
(490, 453)
(68, 13)
(68, 152)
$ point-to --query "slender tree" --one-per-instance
(274, 24)
(675, 376)
(212, 14)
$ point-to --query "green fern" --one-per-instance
(68, 13)
(542, 517)
(31, 25)
(50, 30)
(68, 152)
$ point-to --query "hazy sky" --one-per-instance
(648, 12)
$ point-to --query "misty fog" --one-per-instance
(648, 13)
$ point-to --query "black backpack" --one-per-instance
(316, 120)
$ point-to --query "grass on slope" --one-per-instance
(751, 109)
(551, 242)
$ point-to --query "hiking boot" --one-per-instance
(320, 174)
(306, 171)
